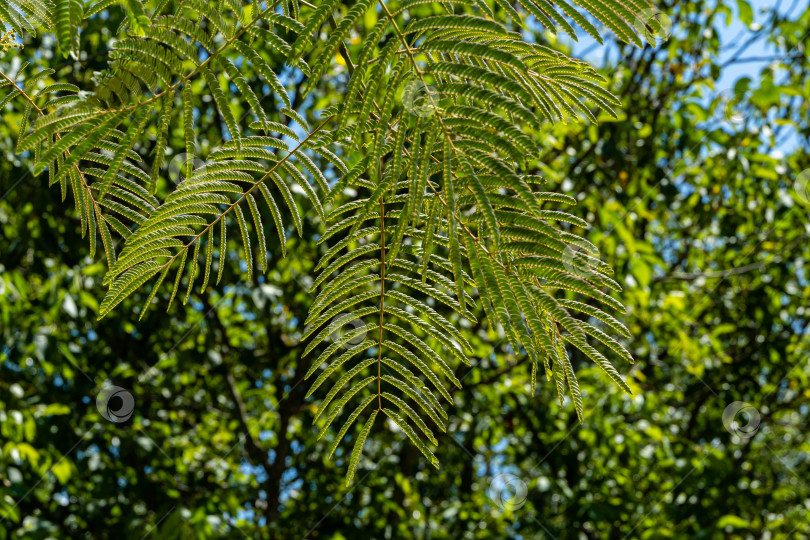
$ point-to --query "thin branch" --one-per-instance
(382, 303)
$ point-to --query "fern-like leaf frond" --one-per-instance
(437, 217)
(448, 166)
(28, 15)
(401, 350)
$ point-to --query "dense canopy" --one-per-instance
(418, 194)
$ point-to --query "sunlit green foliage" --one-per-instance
(431, 143)
(686, 196)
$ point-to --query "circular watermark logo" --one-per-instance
(177, 167)
(115, 404)
(348, 330)
(802, 186)
(741, 419)
(575, 261)
(728, 108)
(654, 25)
(508, 491)
(420, 99)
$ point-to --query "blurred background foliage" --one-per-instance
(697, 199)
